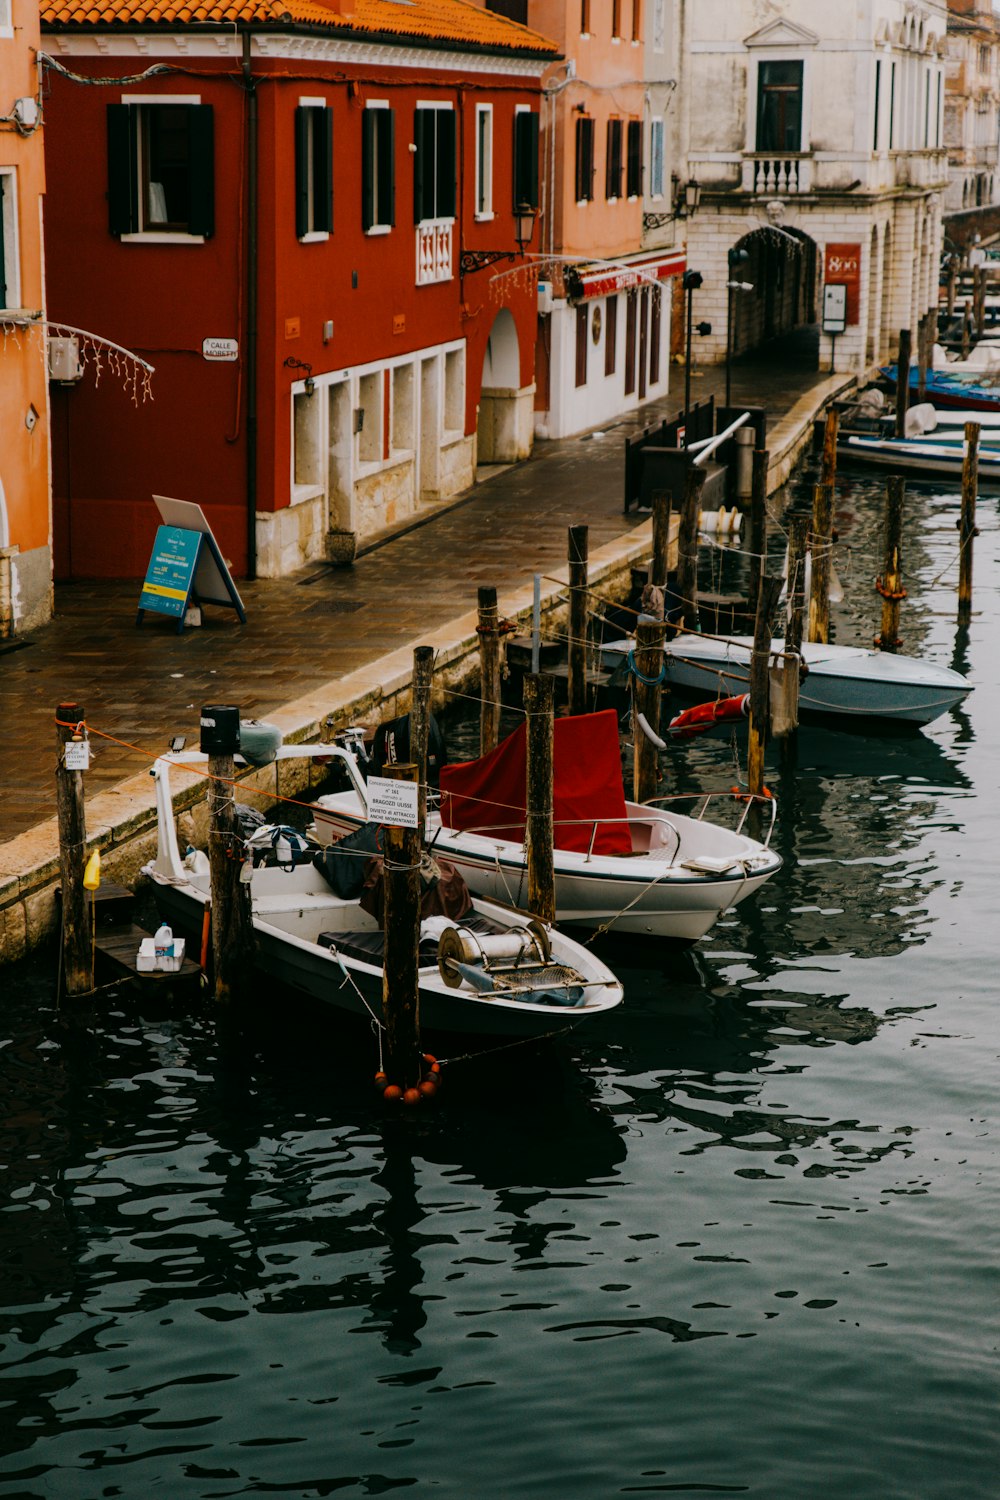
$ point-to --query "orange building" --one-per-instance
(25, 525)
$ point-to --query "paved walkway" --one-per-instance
(307, 632)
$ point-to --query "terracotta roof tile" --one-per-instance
(430, 20)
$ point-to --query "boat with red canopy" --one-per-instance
(620, 866)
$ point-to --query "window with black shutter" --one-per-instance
(378, 169)
(584, 159)
(161, 169)
(514, 10)
(434, 164)
(654, 335)
(313, 170)
(525, 159)
(613, 164)
(633, 173)
(6, 237)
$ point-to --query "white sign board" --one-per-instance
(392, 802)
(212, 581)
(834, 308)
(77, 755)
(224, 349)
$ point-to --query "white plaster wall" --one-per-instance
(602, 400)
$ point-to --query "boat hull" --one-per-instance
(845, 683)
(620, 894)
(316, 972)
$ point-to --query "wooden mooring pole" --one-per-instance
(539, 829)
(820, 564)
(687, 561)
(760, 684)
(646, 701)
(578, 614)
(890, 582)
(232, 932)
(903, 362)
(659, 566)
(967, 520)
(489, 670)
(76, 950)
(758, 525)
(401, 923)
(798, 531)
(420, 720)
(831, 431)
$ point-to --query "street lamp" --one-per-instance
(691, 281)
(737, 260)
(524, 223)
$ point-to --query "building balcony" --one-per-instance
(777, 174)
(435, 261)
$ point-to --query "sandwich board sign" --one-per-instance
(186, 566)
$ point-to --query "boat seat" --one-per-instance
(368, 947)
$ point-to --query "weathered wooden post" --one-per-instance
(401, 923)
(539, 828)
(578, 612)
(923, 355)
(967, 520)
(646, 684)
(687, 561)
(232, 933)
(659, 566)
(966, 329)
(890, 584)
(758, 525)
(760, 684)
(798, 529)
(952, 285)
(979, 297)
(820, 564)
(489, 670)
(76, 950)
(420, 720)
(903, 361)
(831, 431)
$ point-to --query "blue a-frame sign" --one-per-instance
(186, 567)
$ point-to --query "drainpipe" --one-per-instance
(250, 363)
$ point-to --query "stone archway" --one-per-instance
(506, 416)
(783, 270)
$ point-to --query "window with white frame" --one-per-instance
(6, 18)
(402, 409)
(307, 461)
(656, 157)
(779, 106)
(10, 290)
(378, 168)
(484, 161)
(313, 169)
(370, 416)
(454, 390)
(161, 167)
(434, 162)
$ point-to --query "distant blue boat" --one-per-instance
(951, 390)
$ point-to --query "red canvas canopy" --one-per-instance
(489, 794)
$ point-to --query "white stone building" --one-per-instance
(972, 105)
(816, 133)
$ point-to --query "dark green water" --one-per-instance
(740, 1240)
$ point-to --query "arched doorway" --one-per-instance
(779, 315)
(505, 421)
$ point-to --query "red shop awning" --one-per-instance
(604, 280)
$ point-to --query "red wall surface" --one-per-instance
(162, 300)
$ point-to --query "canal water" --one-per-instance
(739, 1239)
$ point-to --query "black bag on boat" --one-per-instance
(343, 864)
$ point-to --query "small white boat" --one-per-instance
(626, 867)
(495, 971)
(923, 457)
(848, 682)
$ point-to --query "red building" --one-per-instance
(286, 210)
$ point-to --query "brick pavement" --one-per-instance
(145, 684)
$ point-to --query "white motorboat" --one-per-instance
(623, 866)
(494, 971)
(848, 682)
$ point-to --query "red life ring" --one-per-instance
(694, 720)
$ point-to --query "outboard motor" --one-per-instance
(391, 747)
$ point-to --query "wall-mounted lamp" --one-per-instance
(687, 201)
(524, 224)
(291, 363)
